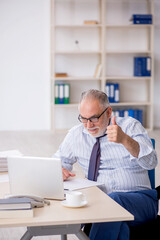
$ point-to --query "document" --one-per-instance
(79, 183)
(3, 158)
(4, 178)
(10, 153)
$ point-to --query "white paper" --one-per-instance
(3, 158)
(10, 153)
(79, 183)
(4, 178)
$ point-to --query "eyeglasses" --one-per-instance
(91, 119)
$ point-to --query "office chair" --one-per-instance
(151, 173)
(149, 230)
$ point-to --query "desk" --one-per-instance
(58, 220)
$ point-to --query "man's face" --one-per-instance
(91, 108)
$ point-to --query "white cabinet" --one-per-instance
(77, 48)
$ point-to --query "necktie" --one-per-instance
(94, 161)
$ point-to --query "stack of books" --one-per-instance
(141, 19)
(112, 91)
(16, 208)
(90, 22)
(62, 93)
(142, 66)
(3, 164)
(3, 158)
(60, 75)
(135, 113)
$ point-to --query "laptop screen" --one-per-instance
(36, 176)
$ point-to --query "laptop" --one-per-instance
(36, 176)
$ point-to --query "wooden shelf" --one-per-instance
(79, 26)
(113, 43)
(70, 105)
(131, 104)
(126, 104)
(77, 52)
(128, 52)
(75, 78)
(127, 78)
(129, 26)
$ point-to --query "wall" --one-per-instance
(24, 64)
(157, 66)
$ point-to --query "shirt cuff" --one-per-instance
(144, 150)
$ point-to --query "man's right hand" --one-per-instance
(67, 174)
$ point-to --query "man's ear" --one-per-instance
(109, 112)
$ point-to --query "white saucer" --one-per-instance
(65, 204)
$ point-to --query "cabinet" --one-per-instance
(77, 48)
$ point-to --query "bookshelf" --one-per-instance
(113, 42)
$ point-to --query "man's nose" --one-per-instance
(89, 124)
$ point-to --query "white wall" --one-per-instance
(24, 64)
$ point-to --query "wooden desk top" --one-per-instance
(100, 208)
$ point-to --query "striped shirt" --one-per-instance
(118, 170)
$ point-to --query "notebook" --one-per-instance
(36, 176)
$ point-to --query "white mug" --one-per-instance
(75, 198)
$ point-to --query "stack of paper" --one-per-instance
(79, 183)
(3, 158)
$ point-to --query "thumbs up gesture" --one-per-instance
(114, 121)
(114, 132)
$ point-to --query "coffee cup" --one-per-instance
(75, 198)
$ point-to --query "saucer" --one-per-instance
(82, 204)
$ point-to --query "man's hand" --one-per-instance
(67, 174)
(115, 133)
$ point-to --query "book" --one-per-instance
(121, 113)
(137, 66)
(142, 21)
(148, 66)
(90, 22)
(56, 94)
(131, 113)
(116, 92)
(15, 203)
(112, 91)
(62, 93)
(61, 75)
(141, 18)
(125, 113)
(20, 213)
(142, 66)
(98, 70)
(107, 90)
(66, 93)
(135, 113)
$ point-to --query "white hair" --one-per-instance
(95, 94)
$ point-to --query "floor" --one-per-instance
(44, 144)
